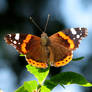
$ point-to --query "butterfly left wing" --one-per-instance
(19, 41)
(30, 46)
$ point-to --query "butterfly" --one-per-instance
(56, 50)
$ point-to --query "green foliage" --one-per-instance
(44, 89)
(77, 59)
(50, 84)
(21, 55)
(66, 78)
(40, 74)
(43, 85)
(21, 89)
(30, 86)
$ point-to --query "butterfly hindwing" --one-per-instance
(59, 55)
(38, 54)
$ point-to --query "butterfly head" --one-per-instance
(44, 39)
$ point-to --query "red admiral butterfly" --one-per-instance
(55, 50)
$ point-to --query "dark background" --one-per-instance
(14, 18)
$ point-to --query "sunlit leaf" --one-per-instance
(30, 86)
(21, 89)
(40, 74)
(21, 55)
(44, 89)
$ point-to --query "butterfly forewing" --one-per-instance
(70, 38)
(75, 35)
(19, 41)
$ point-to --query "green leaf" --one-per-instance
(21, 89)
(50, 84)
(78, 59)
(44, 89)
(30, 86)
(22, 55)
(67, 78)
(40, 74)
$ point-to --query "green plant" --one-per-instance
(46, 85)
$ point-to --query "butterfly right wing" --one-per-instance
(63, 43)
(60, 50)
(70, 38)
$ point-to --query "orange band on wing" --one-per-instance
(68, 39)
(63, 62)
(37, 64)
(23, 45)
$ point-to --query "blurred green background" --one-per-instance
(14, 18)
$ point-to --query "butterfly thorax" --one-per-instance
(44, 39)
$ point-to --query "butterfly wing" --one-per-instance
(59, 55)
(38, 54)
(63, 43)
(75, 35)
(30, 46)
(19, 41)
(70, 38)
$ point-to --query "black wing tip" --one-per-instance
(85, 32)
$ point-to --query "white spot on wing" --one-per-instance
(11, 40)
(9, 35)
(77, 36)
(17, 36)
(73, 31)
(18, 43)
(14, 42)
(73, 38)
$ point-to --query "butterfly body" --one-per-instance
(55, 50)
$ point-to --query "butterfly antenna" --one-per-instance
(47, 22)
(35, 24)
